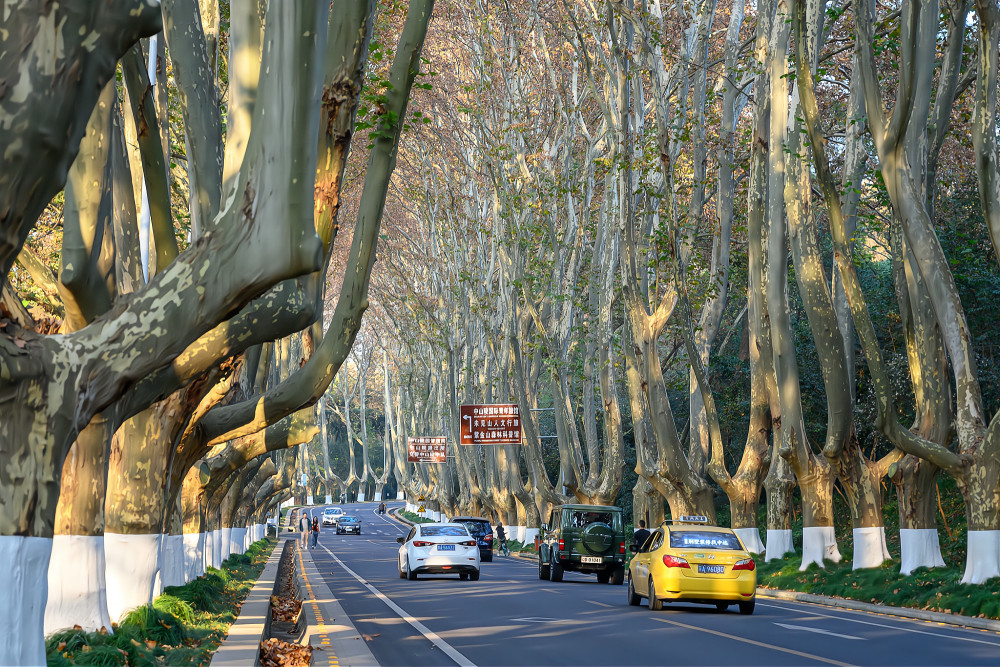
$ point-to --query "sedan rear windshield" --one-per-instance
(428, 531)
(477, 527)
(348, 519)
(703, 539)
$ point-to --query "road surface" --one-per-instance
(510, 617)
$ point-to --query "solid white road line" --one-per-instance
(882, 625)
(448, 649)
(820, 631)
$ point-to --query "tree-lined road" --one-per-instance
(511, 617)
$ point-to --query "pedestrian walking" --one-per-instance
(303, 528)
(640, 536)
(315, 532)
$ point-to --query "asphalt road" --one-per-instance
(510, 617)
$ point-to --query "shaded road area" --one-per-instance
(511, 617)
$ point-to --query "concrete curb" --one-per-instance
(241, 646)
(903, 612)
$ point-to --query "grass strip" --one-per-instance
(184, 626)
(415, 518)
(937, 589)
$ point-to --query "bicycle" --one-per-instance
(503, 548)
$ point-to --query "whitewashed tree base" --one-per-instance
(919, 547)
(194, 555)
(133, 571)
(819, 543)
(516, 533)
(225, 547)
(217, 553)
(22, 598)
(208, 550)
(77, 593)
(529, 535)
(779, 543)
(870, 549)
(400, 495)
(287, 503)
(309, 500)
(378, 497)
(172, 560)
(361, 497)
(328, 500)
(236, 539)
(751, 539)
(983, 560)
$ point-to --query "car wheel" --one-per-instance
(474, 576)
(721, 606)
(410, 574)
(746, 608)
(555, 571)
(603, 577)
(633, 597)
(655, 603)
(543, 569)
(618, 576)
(463, 576)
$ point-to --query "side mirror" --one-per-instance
(401, 540)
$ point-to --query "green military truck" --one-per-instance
(583, 538)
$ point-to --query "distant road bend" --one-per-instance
(510, 617)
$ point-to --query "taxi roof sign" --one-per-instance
(688, 518)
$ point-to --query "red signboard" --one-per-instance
(426, 450)
(490, 425)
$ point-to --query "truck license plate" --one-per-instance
(446, 547)
(711, 569)
(591, 559)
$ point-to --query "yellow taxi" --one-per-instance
(691, 561)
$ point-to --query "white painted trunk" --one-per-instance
(870, 549)
(516, 533)
(529, 535)
(172, 570)
(983, 560)
(225, 548)
(194, 555)
(361, 496)
(260, 533)
(328, 500)
(919, 547)
(77, 592)
(236, 537)
(751, 539)
(133, 572)
(779, 543)
(22, 598)
(309, 500)
(378, 497)
(400, 495)
(819, 543)
(286, 503)
(217, 548)
(208, 550)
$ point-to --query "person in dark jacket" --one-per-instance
(315, 533)
(640, 536)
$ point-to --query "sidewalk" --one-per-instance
(335, 640)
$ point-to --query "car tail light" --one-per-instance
(621, 547)
(488, 537)
(562, 544)
(745, 564)
(675, 561)
(421, 543)
(468, 543)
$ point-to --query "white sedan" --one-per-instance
(439, 548)
(331, 516)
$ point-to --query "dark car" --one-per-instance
(583, 538)
(480, 529)
(349, 524)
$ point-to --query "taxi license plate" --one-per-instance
(591, 559)
(446, 547)
(711, 569)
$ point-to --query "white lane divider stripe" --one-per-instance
(882, 625)
(789, 626)
(431, 636)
